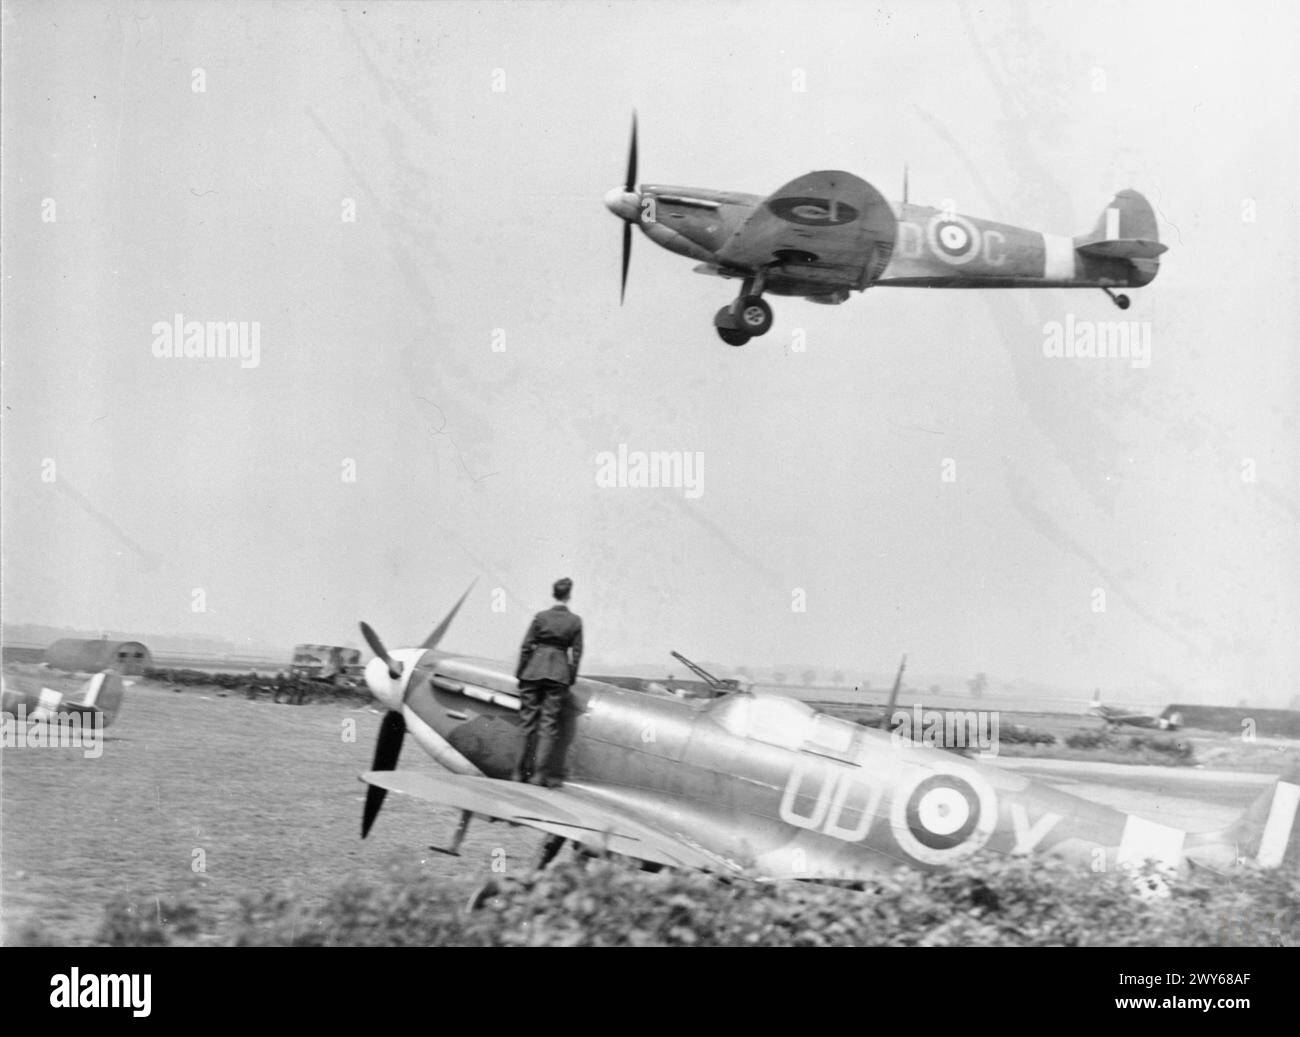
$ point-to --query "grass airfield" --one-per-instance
(208, 796)
(260, 797)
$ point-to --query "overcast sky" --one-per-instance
(460, 349)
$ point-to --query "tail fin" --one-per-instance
(104, 693)
(1269, 831)
(1126, 229)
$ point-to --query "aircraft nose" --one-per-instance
(382, 686)
(623, 204)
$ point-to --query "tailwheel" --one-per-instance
(482, 895)
(1121, 300)
(753, 314)
(732, 337)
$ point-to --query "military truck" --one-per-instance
(329, 664)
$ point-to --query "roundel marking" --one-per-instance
(953, 238)
(943, 812)
(813, 212)
(940, 816)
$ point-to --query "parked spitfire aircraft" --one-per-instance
(43, 694)
(828, 233)
(760, 785)
(1117, 717)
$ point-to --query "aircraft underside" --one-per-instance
(749, 316)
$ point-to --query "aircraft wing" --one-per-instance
(1117, 715)
(564, 811)
(839, 220)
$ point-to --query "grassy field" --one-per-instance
(261, 797)
(202, 797)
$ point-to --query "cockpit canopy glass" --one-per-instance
(777, 721)
(785, 722)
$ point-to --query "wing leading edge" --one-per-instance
(828, 222)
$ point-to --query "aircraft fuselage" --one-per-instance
(767, 785)
(932, 248)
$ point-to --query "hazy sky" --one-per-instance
(459, 346)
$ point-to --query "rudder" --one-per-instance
(1269, 832)
(104, 693)
(1126, 229)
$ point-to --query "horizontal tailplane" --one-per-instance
(1126, 229)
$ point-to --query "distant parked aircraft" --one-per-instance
(44, 694)
(1116, 717)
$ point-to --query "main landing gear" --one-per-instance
(551, 846)
(747, 316)
(1121, 300)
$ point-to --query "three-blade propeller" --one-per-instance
(392, 731)
(629, 187)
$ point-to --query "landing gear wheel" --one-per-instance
(730, 333)
(754, 315)
(481, 896)
(1121, 300)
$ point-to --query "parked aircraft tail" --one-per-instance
(1267, 834)
(1126, 229)
(104, 693)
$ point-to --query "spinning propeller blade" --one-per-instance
(627, 260)
(629, 182)
(629, 185)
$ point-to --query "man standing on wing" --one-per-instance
(548, 666)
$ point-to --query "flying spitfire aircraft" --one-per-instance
(829, 233)
(758, 785)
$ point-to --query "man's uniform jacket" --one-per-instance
(552, 636)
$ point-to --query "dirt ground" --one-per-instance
(213, 797)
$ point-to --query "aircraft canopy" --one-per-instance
(786, 722)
